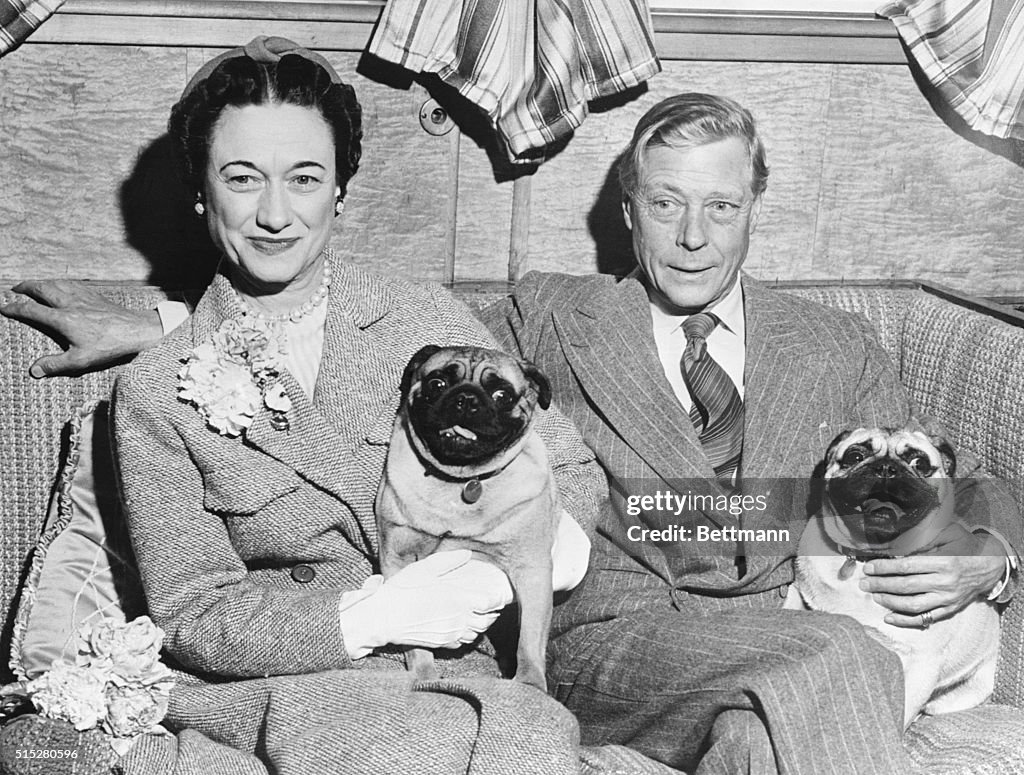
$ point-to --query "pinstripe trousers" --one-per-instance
(725, 685)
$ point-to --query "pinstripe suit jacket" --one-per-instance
(219, 524)
(810, 373)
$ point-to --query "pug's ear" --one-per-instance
(947, 453)
(414, 364)
(936, 433)
(540, 382)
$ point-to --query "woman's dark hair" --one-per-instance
(293, 80)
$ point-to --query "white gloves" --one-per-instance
(448, 598)
(441, 601)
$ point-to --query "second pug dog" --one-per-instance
(890, 493)
(466, 469)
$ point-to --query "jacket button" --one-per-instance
(303, 574)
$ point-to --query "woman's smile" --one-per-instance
(271, 246)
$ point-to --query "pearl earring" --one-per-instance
(199, 207)
(339, 206)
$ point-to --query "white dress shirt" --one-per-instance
(726, 344)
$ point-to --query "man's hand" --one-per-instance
(95, 332)
(961, 568)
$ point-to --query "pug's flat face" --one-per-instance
(882, 482)
(469, 405)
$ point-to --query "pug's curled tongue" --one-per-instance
(465, 433)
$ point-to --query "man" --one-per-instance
(678, 648)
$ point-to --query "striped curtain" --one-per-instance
(972, 51)
(19, 19)
(531, 65)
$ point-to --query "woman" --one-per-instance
(249, 473)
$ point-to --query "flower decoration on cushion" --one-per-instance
(117, 682)
(70, 692)
(227, 378)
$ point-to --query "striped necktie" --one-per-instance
(717, 411)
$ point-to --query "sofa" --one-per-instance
(962, 360)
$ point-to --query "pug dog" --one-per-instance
(890, 493)
(467, 469)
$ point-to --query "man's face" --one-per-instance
(692, 218)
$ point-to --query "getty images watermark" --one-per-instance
(768, 516)
(668, 503)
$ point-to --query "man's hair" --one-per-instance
(240, 81)
(688, 120)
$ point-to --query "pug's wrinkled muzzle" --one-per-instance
(463, 426)
(881, 501)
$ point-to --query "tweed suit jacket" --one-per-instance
(220, 524)
(810, 372)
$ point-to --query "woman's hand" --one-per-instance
(95, 332)
(963, 567)
(441, 601)
(448, 598)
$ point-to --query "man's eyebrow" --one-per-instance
(733, 195)
(667, 187)
(662, 187)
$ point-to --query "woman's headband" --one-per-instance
(265, 50)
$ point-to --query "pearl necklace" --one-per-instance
(296, 314)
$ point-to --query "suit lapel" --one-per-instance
(609, 344)
(782, 377)
(360, 374)
(309, 445)
(323, 434)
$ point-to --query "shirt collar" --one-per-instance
(728, 309)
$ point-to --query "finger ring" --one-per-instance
(926, 620)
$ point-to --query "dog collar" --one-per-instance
(852, 559)
(854, 556)
(472, 486)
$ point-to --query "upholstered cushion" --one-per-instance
(884, 307)
(983, 741)
(34, 410)
(82, 566)
(966, 368)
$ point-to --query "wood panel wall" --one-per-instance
(866, 180)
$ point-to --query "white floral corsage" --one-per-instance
(227, 378)
(117, 682)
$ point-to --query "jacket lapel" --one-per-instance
(360, 374)
(323, 434)
(609, 344)
(309, 445)
(782, 378)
